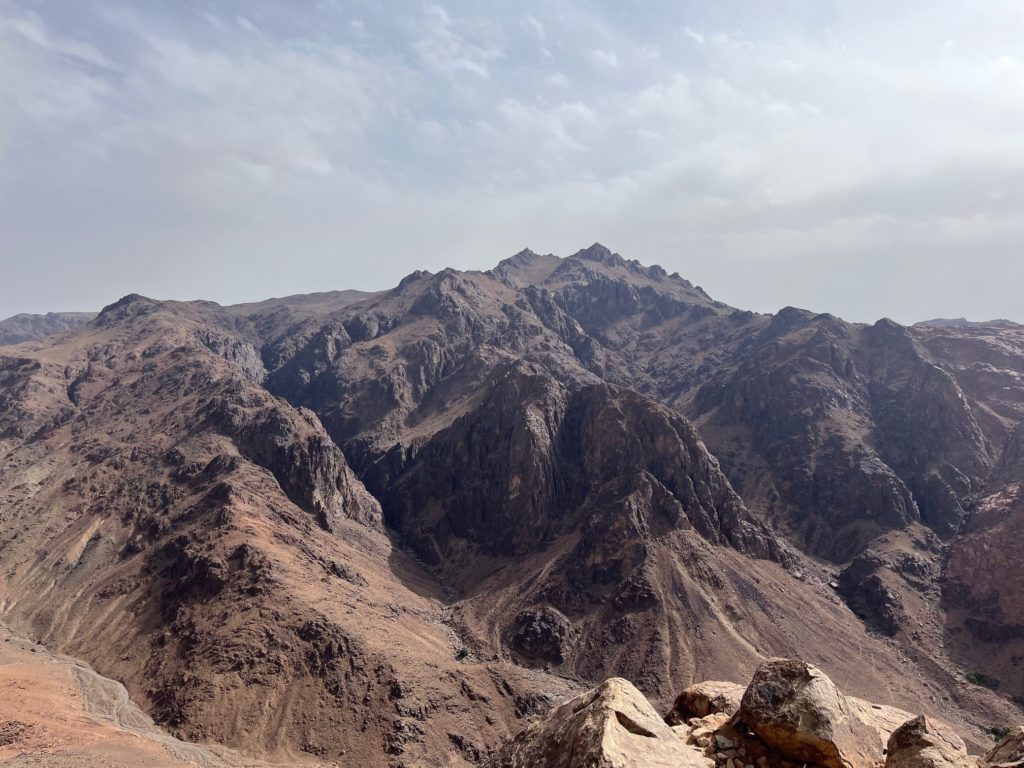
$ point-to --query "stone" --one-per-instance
(611, 726)
(922, 743)
(886, 719)
(541, 634)
(1008, 753)
(798, 712)
(724, 742)
(706, 698)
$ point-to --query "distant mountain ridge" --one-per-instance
(962, 322)
(26, 327)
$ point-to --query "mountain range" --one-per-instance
(394, 528)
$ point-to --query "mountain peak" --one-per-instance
(127, 306)
(526, 267)
(600, 253)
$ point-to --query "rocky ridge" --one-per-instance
(791, 714)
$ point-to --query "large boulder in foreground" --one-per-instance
(611, 726)
(1008, 753)
(795, 709)
(707, 698)
(922, 743)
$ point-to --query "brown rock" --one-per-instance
(1008, 753)
(611, 726)
(704, 728)
(921, 743)
(797, 711)
(702, 699)
(886, 719)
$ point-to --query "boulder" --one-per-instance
(1008, 753)
(795, 709)
(611, 726)
(886, 719)
(701, 730)
(707, 698)
(922, 743)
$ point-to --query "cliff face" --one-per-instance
(535, 461)
(983, 581)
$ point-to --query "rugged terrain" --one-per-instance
(391, 528)
(790, 714)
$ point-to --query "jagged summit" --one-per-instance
(600, 253)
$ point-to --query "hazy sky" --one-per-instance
(856, 156)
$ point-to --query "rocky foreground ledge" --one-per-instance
(791, 715)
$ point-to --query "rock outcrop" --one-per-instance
(790, 715)
(920, 743)
(706, 698)
(794, 708)
(1008, 753)
(612, 726)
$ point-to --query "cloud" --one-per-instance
(156, 143)
(607, 59)
(30, 28)
(694, 35)
(451, 47)
(531, 24)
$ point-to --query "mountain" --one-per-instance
(531, 478)
(19, 328)
(962, 322)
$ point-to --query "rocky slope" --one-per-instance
(535, 477)
(205, 543)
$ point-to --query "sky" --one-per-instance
(863, 158)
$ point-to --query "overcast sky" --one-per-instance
(864, 158)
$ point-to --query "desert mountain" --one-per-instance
(389, 528)
(19, 328)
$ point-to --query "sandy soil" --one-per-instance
(56, 711)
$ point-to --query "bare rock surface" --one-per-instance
(1008, 753)
(612, 726)
(791, 715)
(797, 710)
(707, 698)
(921, 743)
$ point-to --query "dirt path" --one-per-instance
(57, 712)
